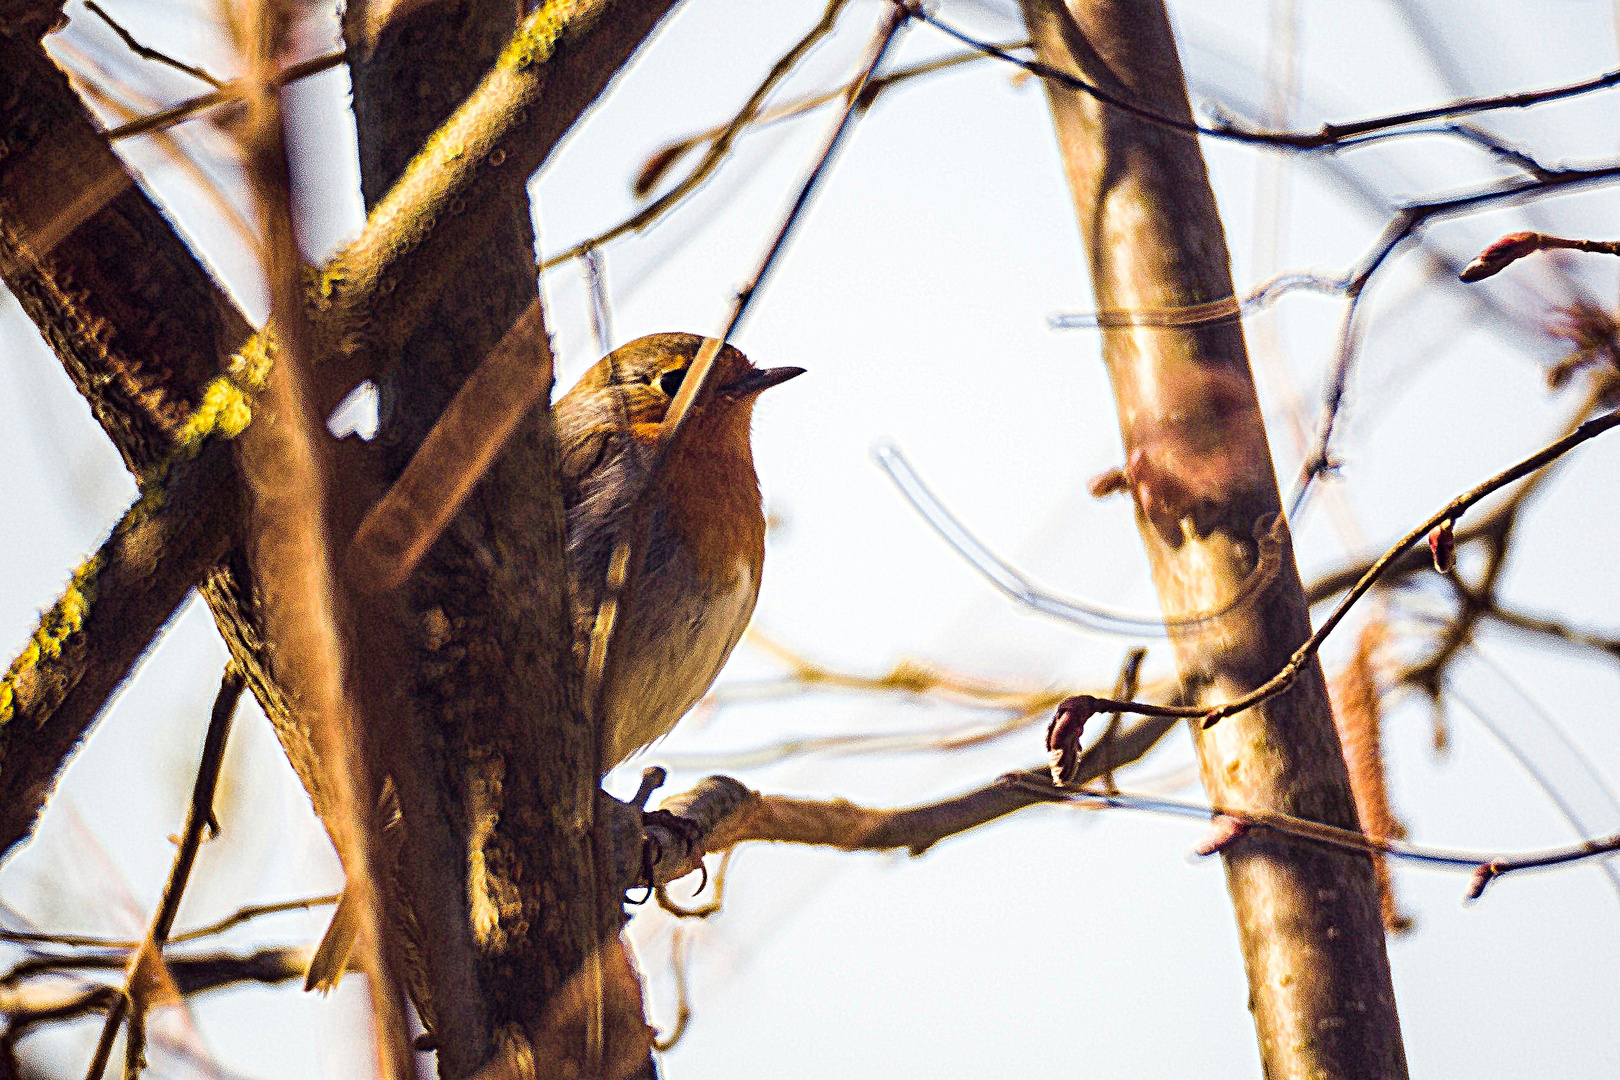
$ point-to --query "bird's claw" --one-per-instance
(687, 834)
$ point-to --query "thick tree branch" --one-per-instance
(1203, 481)
(97, 632)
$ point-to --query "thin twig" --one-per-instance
(1514, 246)
(721, 812)
(1486, 866)
(1082, 613)
(1554, 629)
(1328, 136)
(146, 966)
(146, 53)
(1086, 706)
(227, 94)
(1407, 222)
(661, 160)
(235, 919)
(92, 79)
(718, 148)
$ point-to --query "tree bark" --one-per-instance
(485, 619)
(1200, 470)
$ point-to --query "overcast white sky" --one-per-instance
(1056, 942)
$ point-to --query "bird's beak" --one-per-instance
(760, 379)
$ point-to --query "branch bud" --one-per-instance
(1443, 546)
(1063, 736)
(1498, 256)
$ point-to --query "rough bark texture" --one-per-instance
(488, 627)
(1200, 469)
(141, 329)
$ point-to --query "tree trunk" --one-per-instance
(486, 626)
(1200, 470)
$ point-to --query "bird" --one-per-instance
(703, 554)
(705, 544)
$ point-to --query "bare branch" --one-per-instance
(146, 972)
(229, 93)
(95, 634)
(1328, 137)
(1085, 706)
(720, 812)
(231, 921)
(719, 146)
(146, 53)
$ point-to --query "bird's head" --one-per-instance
(639, 380)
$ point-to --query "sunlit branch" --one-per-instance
(721, 812)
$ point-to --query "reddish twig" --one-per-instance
(1515, 246)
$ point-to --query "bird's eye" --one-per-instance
(670, 381)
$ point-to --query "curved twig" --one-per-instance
(1082, 613)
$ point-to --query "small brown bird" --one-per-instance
(705, 546)
(703, 554)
